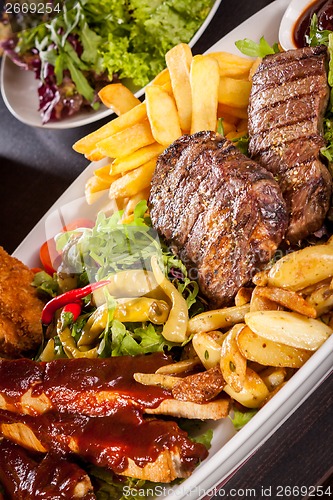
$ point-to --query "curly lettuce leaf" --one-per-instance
(252, 49)
(241, 418)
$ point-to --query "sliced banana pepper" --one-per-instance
(70, 348)
(130, 283)
(175, 328)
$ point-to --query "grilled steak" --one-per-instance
(221, 212)
(288, 100)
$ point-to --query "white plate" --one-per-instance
(19, 92)
(229, 449)
(293, 12)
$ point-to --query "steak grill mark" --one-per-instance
(221, 212)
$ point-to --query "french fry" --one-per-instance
(253, 393)
(162, 79)
(289, 328)
(288, 299)
(98, 183)
(228, 127)
(230, 111)
(134, 200)
(178, 61)
(103, 173)
(204, 80)
(127, 141)
(139, 157)
(302, 268)
(134, 181)
(87, 145)
(118, 97)
(179, 367)
(232, 92)
(232, 65)
(207, 348)
(94, 189)
(233, 363)
(162, 115)
(218, 318)
(131, 203)
(268, 352)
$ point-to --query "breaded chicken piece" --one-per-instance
(20, 308)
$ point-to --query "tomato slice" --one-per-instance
(48, 255)
(78, 223)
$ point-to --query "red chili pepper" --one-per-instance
(71, 297)
(72, 311)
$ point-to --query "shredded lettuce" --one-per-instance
(112, 246)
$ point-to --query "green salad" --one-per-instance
(92, 43)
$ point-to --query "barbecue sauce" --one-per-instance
(324, 11)
(113, 435)
(111, 441)
(27, 476)
(74, 385)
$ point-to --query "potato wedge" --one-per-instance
(207, 349)
(218, 318)
(134, 181)
(289, 328)
(233, 363)
(127, 141)
(273, 377)
(204, 80)
(118, 97)
(243, 296)
(178, 60)
(288, 299)
(162, 115)
(261, 303)
(268, 352)
(321, 299)
(87, 144)
(302, 268)
(253, 393)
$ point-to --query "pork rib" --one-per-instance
(94, 387)
(288, 100)
(27, 477)
(125, 442)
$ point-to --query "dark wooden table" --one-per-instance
(37, 165)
